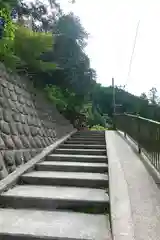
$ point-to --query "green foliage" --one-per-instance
(7, 55)
(9, 25)
(8, 3)
(24, 51)
(57, 97)
(74, 71)
(98, 128)
(72, 105)
(57, 63)
(65, 100)
(70, 26)
(87, 110)
(6, 43)
(148, 108)
(29, 45)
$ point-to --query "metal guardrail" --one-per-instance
(145, 132)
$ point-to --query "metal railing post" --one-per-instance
(125, 130)
(139, 134)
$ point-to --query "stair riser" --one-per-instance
(65, 182)
(67, 146)
(80, 159)
(72, 168)
(81, 152)
(55, 204)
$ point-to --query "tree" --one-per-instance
(143, 96)
(153, 95)
(70, 26)
(22, 11)
(55, 6)
(74, 72)
(52, 54)
(6, 3)
(54, 3)
(40, 15)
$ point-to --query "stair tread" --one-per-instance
(77, 156)
(66, 175)
(79, 141)
(88, 140)
(58, 193)
(77, 183)
(67, 163)
(88, 135)
(102, 138)
(74, 151)
(83, 145)
(54, 224)
(82, 150)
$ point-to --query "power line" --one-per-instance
(131, 60)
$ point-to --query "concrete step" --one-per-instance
(76, 158)
(72, 166)
(88, 142)
(88, 134)
(88, 138)
(80, 151)
(50, 197)
(22, 224)
(83, 146)
(91, 180)
(91, 132)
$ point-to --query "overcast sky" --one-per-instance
(112, 26)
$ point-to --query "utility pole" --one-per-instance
(113, 100)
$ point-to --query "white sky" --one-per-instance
(112, 26)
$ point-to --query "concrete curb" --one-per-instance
(146, 161)
(12, 178)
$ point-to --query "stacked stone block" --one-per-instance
(28, 122)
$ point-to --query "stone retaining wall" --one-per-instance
(28, 122)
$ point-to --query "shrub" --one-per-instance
(98, 128)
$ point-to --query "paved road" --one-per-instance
(142, 191)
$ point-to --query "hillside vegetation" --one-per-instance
(50, 51)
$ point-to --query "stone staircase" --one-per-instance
(63, 197)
